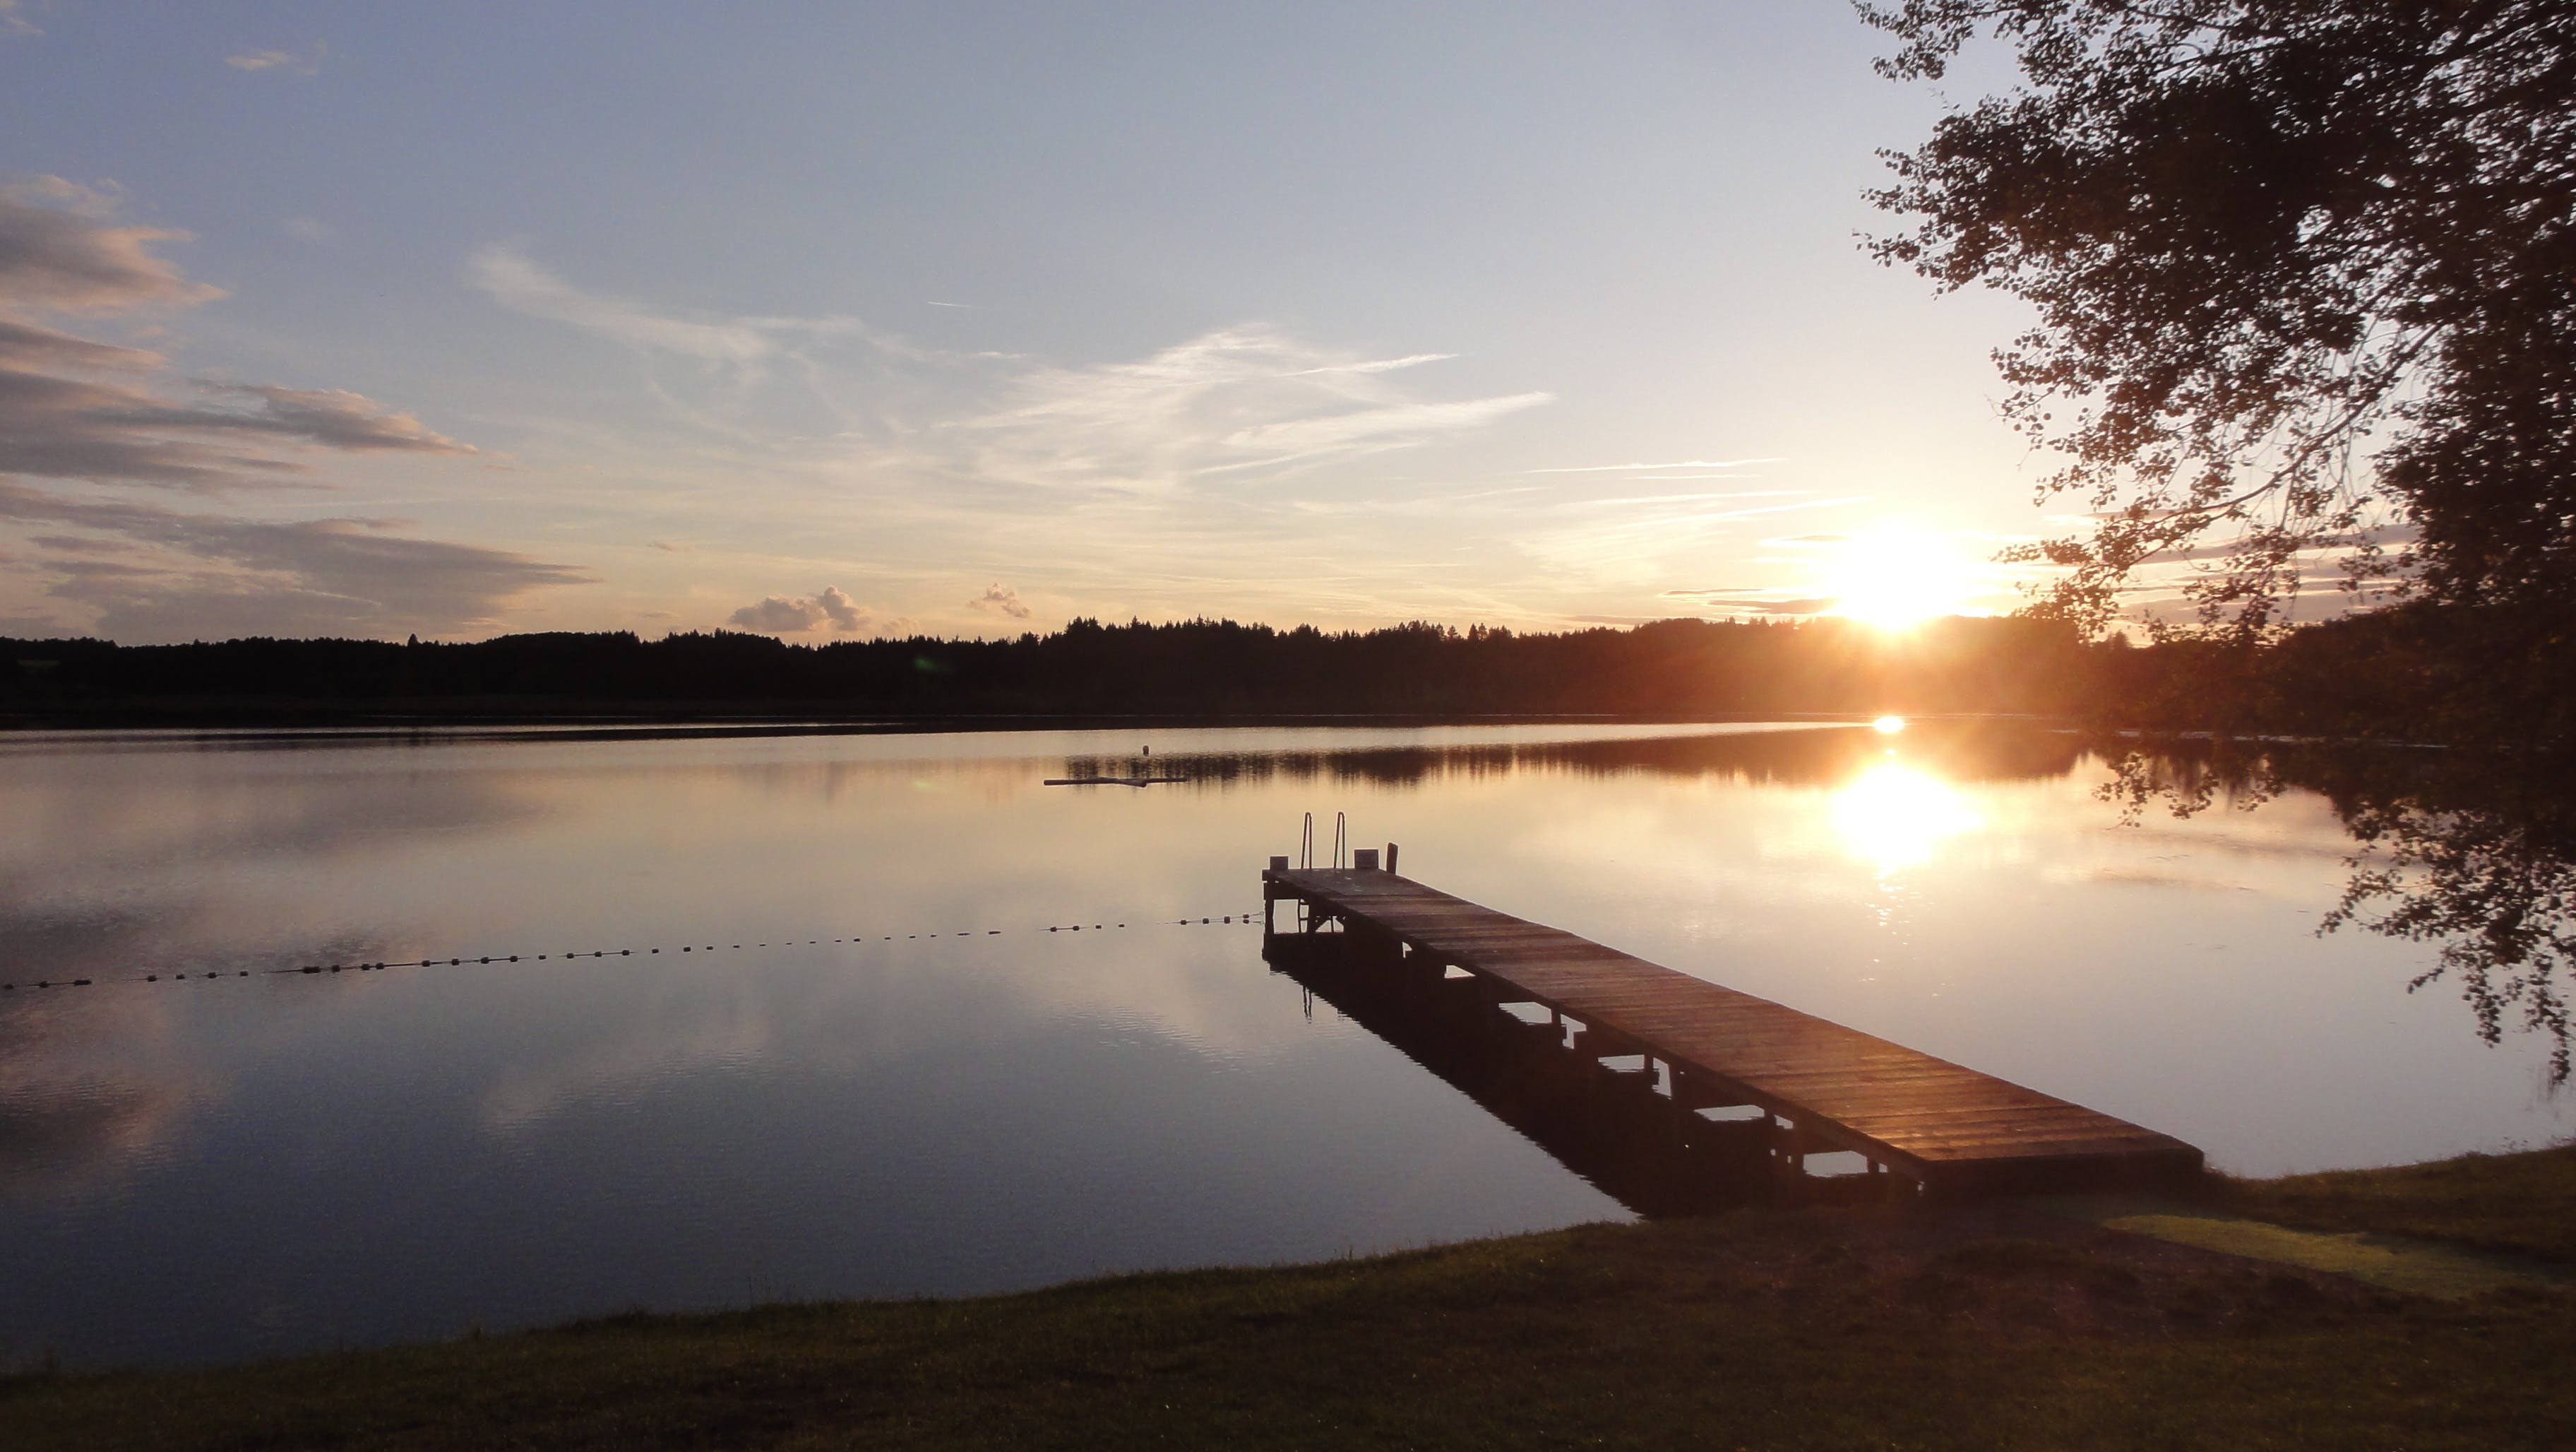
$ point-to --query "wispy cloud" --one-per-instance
(1402, 423)
(521, 284)
(1625, 500)
(334, 418)
(1451, 503)
(26, 345)
(324, 576)
(1385, 365)
(1226, 402)
(1242, 464)
(1227, 407)
(1758, 600)
(281, 62)
(104, 417)
(1834, 503)
(1646, 542)
(59, 250)
(52, 426)
(1635, 468)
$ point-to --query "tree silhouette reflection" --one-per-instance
(1830, 755)
(2472, 852)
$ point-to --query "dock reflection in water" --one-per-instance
(1608, 1118)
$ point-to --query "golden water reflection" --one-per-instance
(1896, 814)
(393, 1155)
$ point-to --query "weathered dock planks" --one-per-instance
(1949, 1128)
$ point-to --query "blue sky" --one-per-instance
(839, 319)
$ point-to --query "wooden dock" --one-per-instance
(1948, 1129)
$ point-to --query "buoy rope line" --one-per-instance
(1211, 920)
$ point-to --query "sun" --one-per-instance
(1897, 576)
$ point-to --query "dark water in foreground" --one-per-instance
(200, 1170)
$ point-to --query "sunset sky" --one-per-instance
(831, 319)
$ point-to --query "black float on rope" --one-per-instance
(316, 968)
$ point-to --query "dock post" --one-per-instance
(1270, 897)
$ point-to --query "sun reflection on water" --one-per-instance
(1894, 814)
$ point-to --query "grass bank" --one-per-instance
(1970, 1328)
(2522, 1203)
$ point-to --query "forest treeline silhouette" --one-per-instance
(1199, 668)
(2413, 673)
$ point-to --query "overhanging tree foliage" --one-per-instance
(2302, 268)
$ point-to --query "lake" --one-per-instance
(848, 1042)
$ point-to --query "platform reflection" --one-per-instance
(1606, 1116)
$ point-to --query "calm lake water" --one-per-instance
(208, 1169)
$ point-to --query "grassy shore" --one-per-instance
(1973, 1327)
(2523, 1203)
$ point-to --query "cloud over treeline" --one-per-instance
(1001, 598)
(792, 614)
(106, 418)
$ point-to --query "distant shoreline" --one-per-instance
(791, 721)
(1199, 673)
